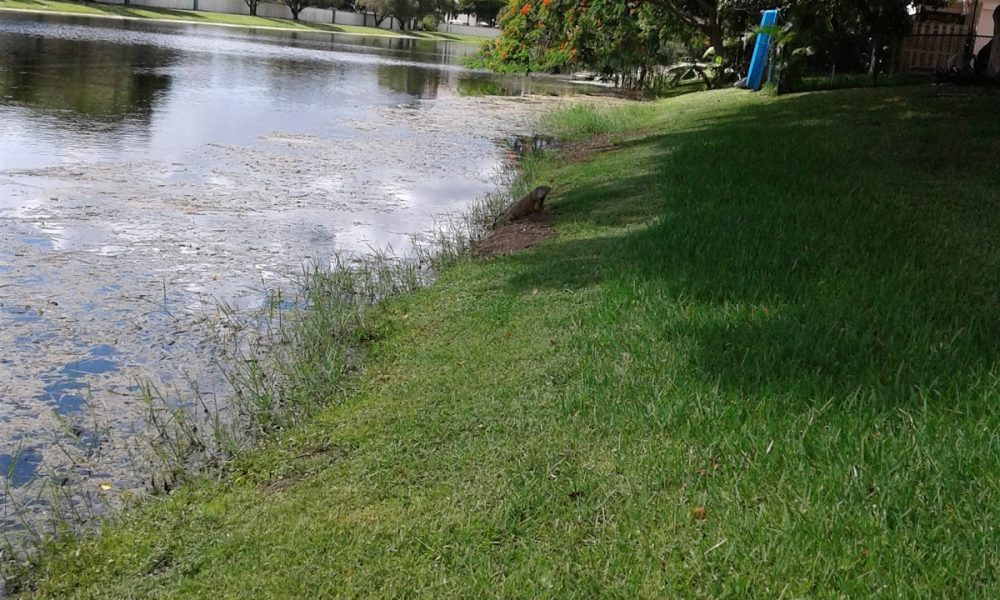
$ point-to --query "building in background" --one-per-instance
(950, 37)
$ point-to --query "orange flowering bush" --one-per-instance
(612, 37)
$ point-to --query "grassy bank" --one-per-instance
(759, 359)
(92, 9)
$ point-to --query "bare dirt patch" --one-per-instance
(584, 150)
(516, 236)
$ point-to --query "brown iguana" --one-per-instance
(532, 202)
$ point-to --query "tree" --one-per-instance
(380, 9)
(296, 6)
(404, 11)
(700, 15)
(622, 41)
(485, 10)
(407, 12)
(850, 34)
(630, 38)
(252, 5)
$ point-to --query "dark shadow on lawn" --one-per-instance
(852, 240)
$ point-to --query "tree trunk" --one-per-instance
(873, 59)
(715, 37)
(993, 70)
(713, 30)
(703, 17)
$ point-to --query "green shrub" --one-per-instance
(429, 23)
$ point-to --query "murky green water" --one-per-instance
(149, 172)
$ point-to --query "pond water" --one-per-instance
(151, 171)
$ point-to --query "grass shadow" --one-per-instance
(809, 244)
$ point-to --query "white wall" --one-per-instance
(223, 6)
(316, 15)
(233, 7)
(270, 10)
(350, 18)
(172, 4)
(273, 11)
(483, 32)
(984, 27)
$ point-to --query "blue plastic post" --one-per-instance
(755, 78)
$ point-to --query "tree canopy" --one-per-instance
(485, 10)
(633, 41)
(406, 12)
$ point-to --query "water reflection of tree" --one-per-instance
(100, 80)
(514, 85)
(433, 51)
(486, 84)
(415, 81)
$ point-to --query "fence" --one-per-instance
(936, 47)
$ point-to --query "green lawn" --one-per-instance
(759, 360)
(163, 14)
